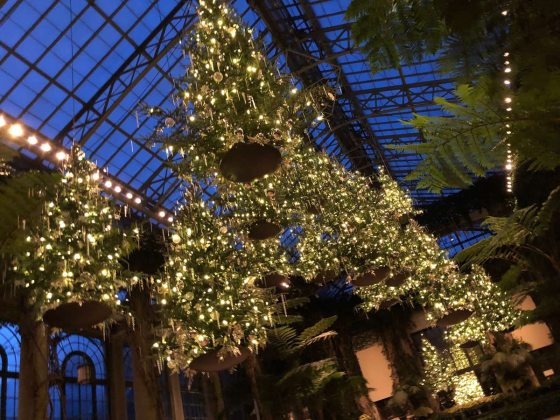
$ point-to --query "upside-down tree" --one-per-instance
(504, 56)
(64, 264)
(237, 131)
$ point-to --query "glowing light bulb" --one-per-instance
(46, 147)
(61, 155)
(161, 213)
(2, 121)
(108, 184)
(129, 196)
(137, 200)
(118, 189)
(32, 140)
(16, 130)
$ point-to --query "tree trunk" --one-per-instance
(252, 369)
(147, 390)
(34, 368)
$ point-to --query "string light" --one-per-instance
(16, 130)
(508, 100)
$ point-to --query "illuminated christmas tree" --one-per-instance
(208, 302)
(71, 264)
(238, 128)
(438, 368)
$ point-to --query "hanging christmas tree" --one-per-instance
(212, 314)
(70, 267)
(234, 112)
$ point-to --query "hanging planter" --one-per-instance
(397, 280)
(217, 361)
(245, 162)
(263, 229)
(388, 304)
(325, 277)
(454, 317)
(274, 280)
(469, 344)
(77, 315)
(370, 278)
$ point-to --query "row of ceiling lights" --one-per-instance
(17, 132)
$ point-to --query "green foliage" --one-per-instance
(509, 361)
(463, 33)
(467, 143)
(516, 234)
(470, 39)
(21, 200)
(72, 252)
(292, 370)
(384, 31)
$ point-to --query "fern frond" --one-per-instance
(309, 334)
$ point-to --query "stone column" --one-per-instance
(175, 397)
(115, 369)
(147, 393)
(34, 370)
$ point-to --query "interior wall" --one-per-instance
(377, 372)
(538, 334)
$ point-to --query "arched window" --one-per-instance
(9, 372)
(79, 390)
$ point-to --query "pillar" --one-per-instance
(117, 388)
(176, 397)
(34, 371)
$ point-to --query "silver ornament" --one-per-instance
(218, 77)
(169, 122)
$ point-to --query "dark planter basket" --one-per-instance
(76, 315)
(325, 277)
(389, 303)
(397, 280)
(245, 162)
(261, 230)
(469, 344)
(210, 362)
(273, 280)
(454, 317)
(368, 278)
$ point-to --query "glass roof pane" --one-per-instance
(49, 60)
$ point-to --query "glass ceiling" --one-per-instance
(77, 71)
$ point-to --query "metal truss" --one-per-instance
(317, 54)
(300, 34)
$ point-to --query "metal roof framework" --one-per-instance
(77, 71)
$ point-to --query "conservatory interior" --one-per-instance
(279, 209)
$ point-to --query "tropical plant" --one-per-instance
(305, 382)
(477, 41)
(508, 360)
(517, 236)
